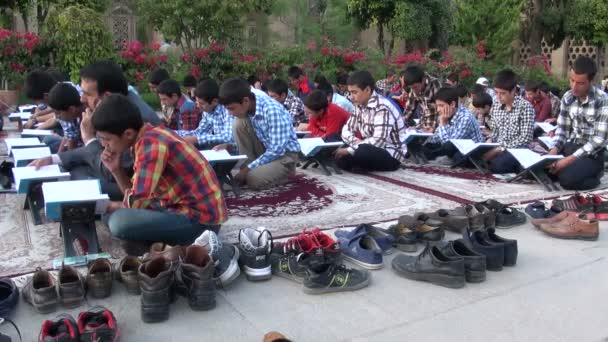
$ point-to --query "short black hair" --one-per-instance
(207, 90)
(189, 81)
(234, 90)
(316, 100)
(108, 75)
(461, 90)
(478, 89)
(38, 83)
(532, 85)
(585, 65)
(454, 77)
(544, 87)
(253, 79)
(156, 76)
(326, 88)
(413, 74)
(320, 79)
(342, 78)
(277, 86)
(58, 75)
(115, 114)
(63, 96)
(482, 99)
(294, 72)
(447, 95)
(505, 79)
(169, 87)
(362, 79)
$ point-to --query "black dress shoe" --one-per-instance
(9, 295)
(432, 266)
(494, 252)
(510, 247)
(474, 263)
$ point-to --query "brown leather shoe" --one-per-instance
(573, 228)
(559, 217)
(156, 279)
(40, 291)
(196, 272)
(99, 278)
(171, 253)
(70, 286)
(127, 273)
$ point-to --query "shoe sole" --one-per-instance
(406, 248)
(510, 226)
(289, 276)
(232, 272)
(474, 276)
(46, 308)
(363, 264)
(317, 291)
(575, 237)
(601, 217)
(452, 282)
(202, 307)
(258, 274)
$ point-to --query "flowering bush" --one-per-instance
(137, 60)
(220, 61)
(20, 53)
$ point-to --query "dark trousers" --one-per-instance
(585, 173)
(504, 163)
(369, 158)
(432, 151)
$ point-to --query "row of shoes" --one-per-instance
(592, 205)
(454, 263)
(569, 225)
(97, 324)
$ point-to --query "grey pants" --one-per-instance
(268, 175)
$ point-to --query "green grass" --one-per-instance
(151, 99)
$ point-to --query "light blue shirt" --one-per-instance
(343, 102)
(462, 125)
(214, 128)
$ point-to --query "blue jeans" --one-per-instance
(155, 226)
(53, 142)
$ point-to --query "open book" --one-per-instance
(72, 192)
(311, 146)
(529, 159)
(24, 156)
(12, 143)
(19, 116)
(468, 146)
(28, 133)
(412, 135)
(24, 176)
(302, 134)
(27, 108)
(222, 156)
(545, 126)
(549, 142)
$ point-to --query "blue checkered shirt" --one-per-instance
(462, 125)
(586, 122)
(273, 126)
(71, 129)
(214, 128)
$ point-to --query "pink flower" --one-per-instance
(185, 58)
(4, 33)
(325, 51)
(195, 71)
(140, 59)
(135, 46)
(312, 45)
(155, 46)
(215, 47)
(466, 73)
(139, 76)
(152, 62)
(126, 54)
(162, 58)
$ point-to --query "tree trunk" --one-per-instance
(381, 38)
(391, 45)
(536, 36)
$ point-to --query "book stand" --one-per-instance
(323, 158)
(34, 200)
(77, 228)
(539, 173)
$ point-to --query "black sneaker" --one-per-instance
(474, 263)
(255, 246)
(62, 328)
(432, 266)
(98, 324)
(334, 278)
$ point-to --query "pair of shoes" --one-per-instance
(538, 210)
(312, 259)
(410, 230)
(498, 251)
(161, 277)
(9, 296)
(504, 216)
(569, 225)
(45, 294)
(255, 247)
(97, 324)
(365, 246)
(594, 206)
(224, 256)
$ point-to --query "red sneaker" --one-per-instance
(303, 242)
(601, 207)
(328, 245)
(579, 203)
(62, 328)
(98, 324)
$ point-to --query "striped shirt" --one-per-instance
(273, 125)
(172, 175)
(378, 124)
(214, 128)
(586, 122)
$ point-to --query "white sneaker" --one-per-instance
(225, 256)
(255, 246)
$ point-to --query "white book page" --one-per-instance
(465, 146)
(212, 155)
(309, 144)
(548, 141)
(37, 132)
(23, 108)
(45, 172)
(545, 126)
(72, 191)
(30, 153)
(528, 158)
(19, 142)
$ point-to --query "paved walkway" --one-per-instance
(557, 292)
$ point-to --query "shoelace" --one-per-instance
(2, 320)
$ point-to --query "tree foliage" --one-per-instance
(497, 22)
(376, 12)
(588, 20)
(81, 38)
(193, 24)
(429, 23)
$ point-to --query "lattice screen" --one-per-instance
(121, 22)
(524, 52)
(582, 48)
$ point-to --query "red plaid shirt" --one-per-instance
(186, 116)
(172, 175)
